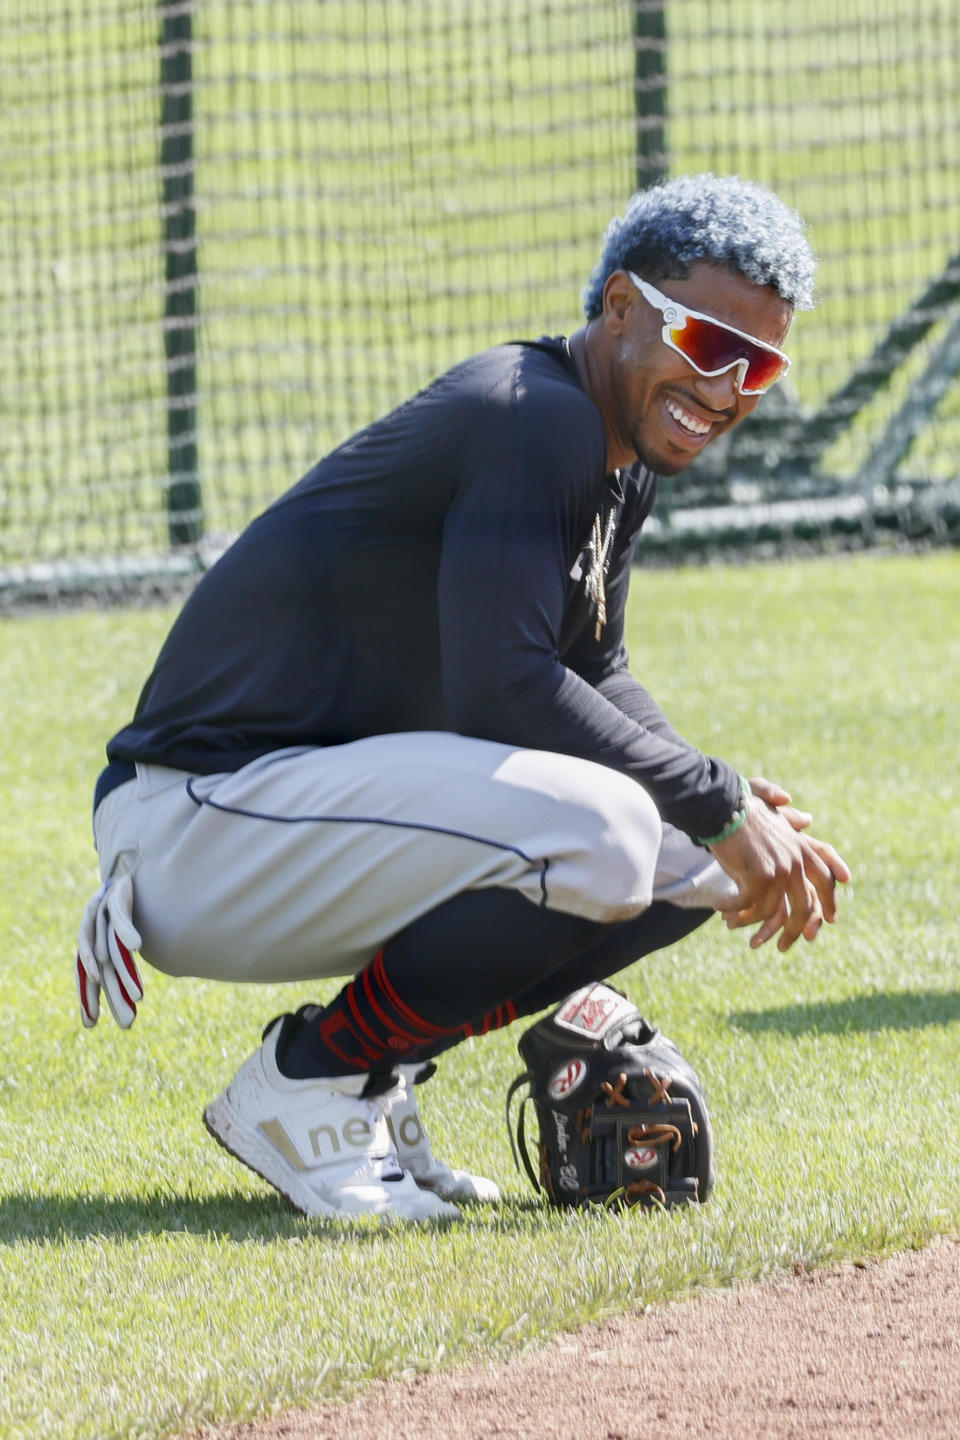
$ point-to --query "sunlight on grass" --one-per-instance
(148, 1282)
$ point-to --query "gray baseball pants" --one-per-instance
(304, 863)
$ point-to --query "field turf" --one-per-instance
(148, 1282)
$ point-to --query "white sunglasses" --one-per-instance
(712, 348)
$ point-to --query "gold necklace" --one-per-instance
(600, 547)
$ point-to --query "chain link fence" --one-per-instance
(233, 233)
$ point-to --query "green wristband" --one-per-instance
(737, 819)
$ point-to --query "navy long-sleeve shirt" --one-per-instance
(438, 571)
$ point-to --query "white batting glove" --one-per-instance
(107, 936)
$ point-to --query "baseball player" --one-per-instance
(393, 736)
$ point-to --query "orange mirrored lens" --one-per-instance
(712, 348)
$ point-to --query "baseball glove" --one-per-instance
(622, 1115)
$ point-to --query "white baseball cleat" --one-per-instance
(321, 1143)
(415, 1154)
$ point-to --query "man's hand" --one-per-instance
(787, 878)
(104, 960)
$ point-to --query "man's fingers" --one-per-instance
(757, 902)
(769, 791)
(796, 819)
(820, 877)
(825, 868)
(813, 926)
(805, 908)
(771, 925)
(798, 912)
(742, 911)
(787, 878)
(806, 919)
(832, 858)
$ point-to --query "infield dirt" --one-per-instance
(850, 1352)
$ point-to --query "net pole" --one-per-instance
(184, 499)
(650, 91)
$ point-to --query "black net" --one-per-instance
(233, 233)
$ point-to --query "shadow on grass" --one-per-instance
(882, 1010)
(53, 1219)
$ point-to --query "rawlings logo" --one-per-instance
(640, 1158)
(566, 1079)
(594, 1010)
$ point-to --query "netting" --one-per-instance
(233, 233)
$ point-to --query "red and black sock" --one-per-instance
(425, 990)
(472, 965)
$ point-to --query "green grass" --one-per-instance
(148, 1282)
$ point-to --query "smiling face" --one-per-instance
(656, 406)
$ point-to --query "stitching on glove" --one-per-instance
(638, 1188)
(614, 1093)
(661, 1088)
(654, 1135)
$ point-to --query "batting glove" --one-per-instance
(107, 936)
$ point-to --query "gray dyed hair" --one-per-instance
(718, 218)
